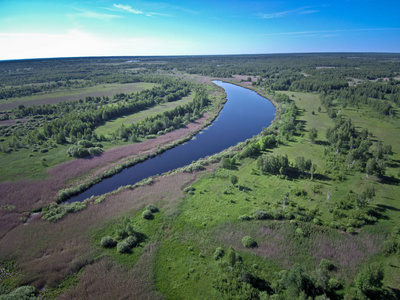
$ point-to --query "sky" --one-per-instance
(63, 28)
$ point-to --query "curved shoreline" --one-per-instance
(152, 167)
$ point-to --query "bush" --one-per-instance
(249, 242)
(350, 230)
(389, 247)
(152, 208)
(85, 143)
(260, 215)
(77, 152)
(95, 151)
(131, 241)
(326, 264)
(108, 242)
(299, 231)
(245, 218)
(317, 221)
(147, 215)
(189, 189)
(23, 292)
(123, 247)
(334, 284)
(219, 253)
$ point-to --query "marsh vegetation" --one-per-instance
(306, 208)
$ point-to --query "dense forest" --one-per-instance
(307, 209)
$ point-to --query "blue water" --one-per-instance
(244, 115)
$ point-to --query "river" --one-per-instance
(244, 115)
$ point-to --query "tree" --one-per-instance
(313, 134)
(234, 180)
(369, 280)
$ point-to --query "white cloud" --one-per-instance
(75, 43)
(307, 12)
(94, 15)
(300, 11)
(128, 8)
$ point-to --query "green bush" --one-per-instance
(85, 143)
(95, 151)
(131, 241)
(123, 247)
(260, 215)
(219, 253)
(334, 284)
(389, 247)
(245, 218)
(108, 242)
(152, 208)
(23, 292)
(147, 215)
(299, 231)
(249, 242)
(77, 151)
(189, 189)
(326, 264)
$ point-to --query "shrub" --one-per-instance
(189, 189)
(299, 231)
(244, 218)
(249, 242)
(326, 264)
(85, 143)
(131, 241)
(334, 284)
(152, 208)
(77, 151)
(123, 247)
(317, 221)
(95, 151)
(350, 230)
(389, 247)
(108, 242)
(23, 292)
(147, 215)
(260, 215)
(219, 253)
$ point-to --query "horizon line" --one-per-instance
(196, 55)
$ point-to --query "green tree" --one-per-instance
(369, 280)
(313, 134)
(234, 180)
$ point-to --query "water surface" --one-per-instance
(244, 115)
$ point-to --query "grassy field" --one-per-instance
(25, 164)
(209, 218)
(177, 256)
(75, 94)
(113, 125)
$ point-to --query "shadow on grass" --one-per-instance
(393, 164)
(384, 207)
(322, 143)
(395, 293)
(389, 180)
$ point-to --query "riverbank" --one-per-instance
(26, 195)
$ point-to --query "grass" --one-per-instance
(25, 164)
(112, 126)
(187, 231)
(150, 228)
(75, 94)
(208, 215)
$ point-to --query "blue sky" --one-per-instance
(61, 28)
